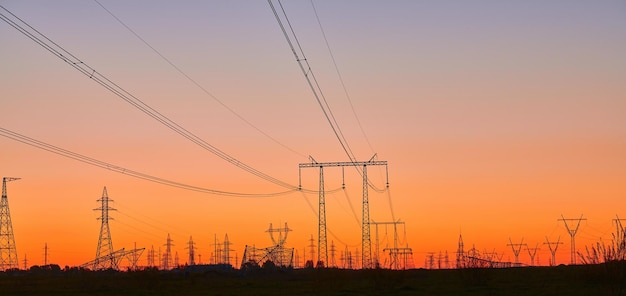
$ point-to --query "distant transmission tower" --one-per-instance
(150, 257)
(191, 252)
(226, 250)
(572, 233)
(45, 254)
(105, 245)
(532, 252)
(8, 252)
(134, 258)
(553, 251)
(516, 248)
(460, 253)
(333, 250)
(167, 257)
(312, 252)
(619, 229)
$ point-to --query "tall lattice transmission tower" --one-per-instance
(104, 260)
(366, 243)
(167, 257)
(8, 252)
(460, 253)
(192, 251)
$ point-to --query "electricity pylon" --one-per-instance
(8, 252)
(192, 249)
(366, 242)
(532, 252)
(553, 251)
(619, 229)
(572, 233)
(105, 244)
(167, 257)
(393, 259)
(460, 253)
(519, 248)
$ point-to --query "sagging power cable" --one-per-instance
(45, 42)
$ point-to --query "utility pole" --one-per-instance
(572, 233)
(25, 262)
(532, 252)
(553, 251)
(516, 248)
(8, 251)
(365, 229)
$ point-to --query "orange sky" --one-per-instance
(495, 118)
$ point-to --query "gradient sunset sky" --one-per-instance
(496, 117)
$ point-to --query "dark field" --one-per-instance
(561, 280)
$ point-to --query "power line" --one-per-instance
(90, 72)
(345, 90)
(311, 80)
(105, 165)
(343, 85)
(193, 81)
(315, 87)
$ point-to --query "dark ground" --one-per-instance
(561, 280)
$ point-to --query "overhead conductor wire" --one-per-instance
(311, 80)
(193, 81)
(105, 165)
(345, 90)
(306, 69)
(88, 71)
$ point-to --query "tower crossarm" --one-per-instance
(4, 184)
(342, 163)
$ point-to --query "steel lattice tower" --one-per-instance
(8, 252)
(518, 249)
(105, 244)
(167, 257)
(365, 239)
(365, 229)
(572, 232)
(460, 253)
(192, 249)
(322, 250)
